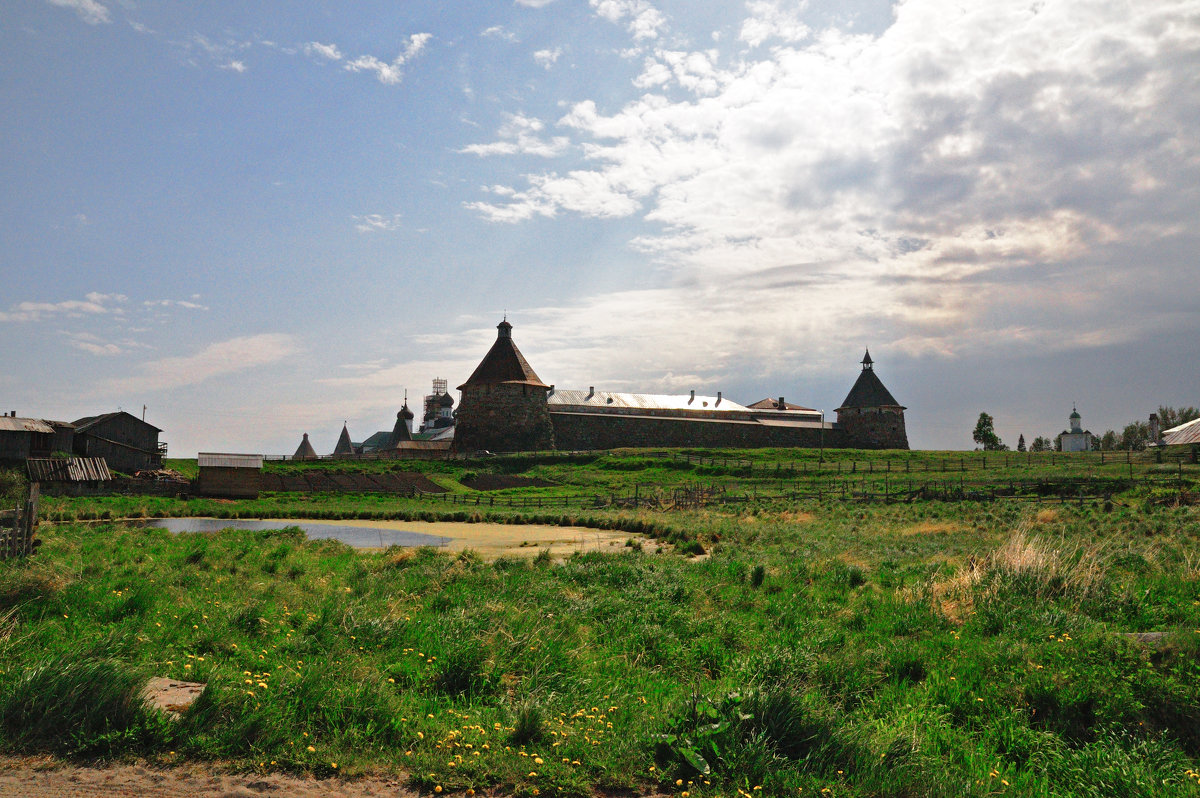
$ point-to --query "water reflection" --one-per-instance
(357, 536)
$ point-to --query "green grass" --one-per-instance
(903, 650)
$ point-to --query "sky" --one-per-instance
(263, 219)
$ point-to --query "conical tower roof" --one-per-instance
(400, 431)
(305, 450)
(344, 446)
(868, 390)
(503, 363)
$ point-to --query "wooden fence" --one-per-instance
(17, 527)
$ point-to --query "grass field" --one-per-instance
(817, 648)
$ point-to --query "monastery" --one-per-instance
(506, 407)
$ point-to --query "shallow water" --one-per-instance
(358, 536)
(488, 539)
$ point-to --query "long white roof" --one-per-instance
(1184, 433)
(641, 401)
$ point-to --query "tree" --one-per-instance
(985, 434)
(1021, 443)
(1041, 444)
(1135, 436)
(1169, 417)
(1109, 441)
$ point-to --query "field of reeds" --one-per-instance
(921, 648)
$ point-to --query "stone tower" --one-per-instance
(503, 406)
(870, 416)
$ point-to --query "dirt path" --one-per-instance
(44, 777)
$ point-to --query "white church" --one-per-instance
(1077, 439)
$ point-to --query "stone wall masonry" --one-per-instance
(503, 418)
(586, 431)
(873, 428)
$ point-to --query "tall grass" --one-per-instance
(910, 650)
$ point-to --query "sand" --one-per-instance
(43, 777)
(495, 540)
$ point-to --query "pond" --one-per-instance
(490, 540)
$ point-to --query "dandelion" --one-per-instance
(312, 749)
(438, 788)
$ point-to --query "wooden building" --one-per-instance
(125, 441)
(232, 476)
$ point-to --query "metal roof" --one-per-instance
(68, 469)
(773, 404)
(219, 460)
(1183, 434)
(15, 424)
(641, 401)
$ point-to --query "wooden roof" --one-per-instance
(344, 445)
(868, 391)
(305, 449)
(503, 363)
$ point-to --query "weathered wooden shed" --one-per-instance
(233, 476)
(125, 441)
(22, 438)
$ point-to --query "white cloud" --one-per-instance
(534, 3)
(91, 344)
(642, 19)
(94, 303)
(234, 66)
(90, 11)
(903, 186)
(180, 303)
(522, 135)
(218, 359)
(376, 222)
(329, 52)
(393, 72)
(768, 20)
(547, 58)
(499, 32)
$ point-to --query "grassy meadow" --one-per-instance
(813, 648)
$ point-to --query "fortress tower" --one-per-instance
(870, 417)
(503, 406)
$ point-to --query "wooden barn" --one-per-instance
(21, 438)
(127, 443)
(231, 476)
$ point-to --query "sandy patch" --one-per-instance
(507, 540)
(43, 777)
(171, 695)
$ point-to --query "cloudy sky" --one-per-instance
(263, 219)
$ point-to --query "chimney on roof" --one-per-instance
(782, 405)
(692, 398)
(718, 404)
(550, 392)
(1154, 432)
(14, 413)
(591, 392)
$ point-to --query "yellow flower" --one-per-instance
(312, 749)
(437, 788)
